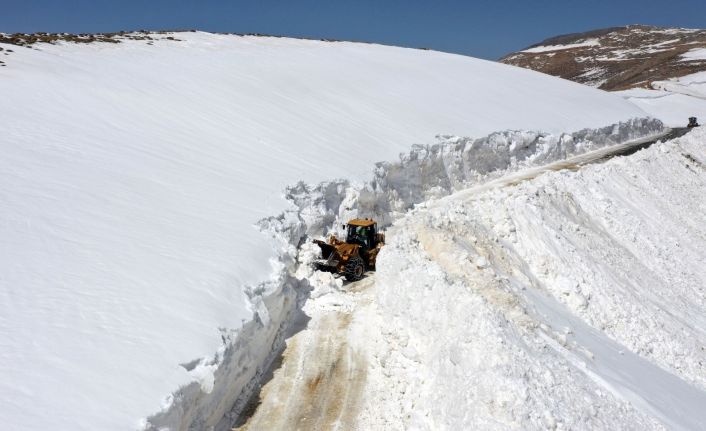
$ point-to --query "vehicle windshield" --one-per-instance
(358, 235)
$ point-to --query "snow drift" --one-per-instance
(571, 301)
(133, 177)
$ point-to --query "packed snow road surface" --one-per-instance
(320, 380)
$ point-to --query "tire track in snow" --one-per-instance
(321, 378)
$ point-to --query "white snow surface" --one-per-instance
(548, 48)
(132, 180)
(673, 109)
(672, 101)
(570, 301)
(694, 55)
(693, 85)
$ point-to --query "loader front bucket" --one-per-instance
(326, 249)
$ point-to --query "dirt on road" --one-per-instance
(321, 377)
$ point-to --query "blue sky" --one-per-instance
(487, 29)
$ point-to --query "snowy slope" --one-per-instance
(133, 175)
(570, 301)
(673, 101)
(661, 70)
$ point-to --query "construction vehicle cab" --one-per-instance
(693, 122)
(361, 232)
(354, 255)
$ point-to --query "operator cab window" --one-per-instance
(359, 235)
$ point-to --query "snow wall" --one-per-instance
(573, 300)
(226, 383)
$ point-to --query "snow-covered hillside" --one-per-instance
(661, 70)
(133, 178)
(673, 101)
(617, 58)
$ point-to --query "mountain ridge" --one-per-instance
(616, 58)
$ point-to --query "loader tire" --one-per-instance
(355, 269)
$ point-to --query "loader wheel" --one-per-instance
(355, 269)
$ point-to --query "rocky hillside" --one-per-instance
(618, 58)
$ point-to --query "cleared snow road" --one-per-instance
(320, 379)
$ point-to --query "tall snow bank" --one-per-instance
(132, 179)
(433, 171)
(626, 240)
(574, 300)
(455, 163)
(461, 352)
(317, 210)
